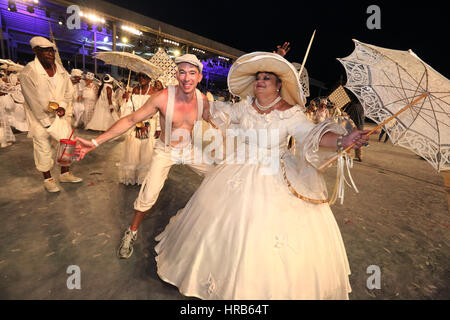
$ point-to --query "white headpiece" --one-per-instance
(41, 42)
(190, 58)
(76, 73)
(242, 75)
(107, 78)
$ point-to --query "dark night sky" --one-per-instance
(257, 26)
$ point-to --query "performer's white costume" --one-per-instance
(103, 118)
(77, 104)
(38, 90)
(165, 156)
(137, 153)
(244, 234)
(6, 134)
(89, 100)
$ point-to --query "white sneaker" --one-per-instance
(69, 177)
(126, 245)
(51, 185)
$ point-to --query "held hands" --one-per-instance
(358, 137)
(60, 112)
(82, 147)
(283, 50)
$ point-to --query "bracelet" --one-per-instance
(95, 143)
(339, 143)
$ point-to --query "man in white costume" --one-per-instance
(180, 107)
(46, 86)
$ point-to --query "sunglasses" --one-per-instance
(49, 49)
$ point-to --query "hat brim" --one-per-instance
(242, 75)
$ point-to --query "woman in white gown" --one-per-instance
(90, 92)
(77, 99)
(247, 233)
(6, 106)
(139, 141)
(104, 113)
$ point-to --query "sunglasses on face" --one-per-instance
(49, 49)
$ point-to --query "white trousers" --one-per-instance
(160, 166)
(44, 148)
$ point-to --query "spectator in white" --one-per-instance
(104, 113)
(14, 109)
(77, 101)
(89, 97)
(47, 91)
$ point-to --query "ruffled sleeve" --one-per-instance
(301, 169)
(223, 114)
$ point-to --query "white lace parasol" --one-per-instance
(385, 81)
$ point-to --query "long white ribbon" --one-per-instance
(343, 161)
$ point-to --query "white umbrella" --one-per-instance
(130, 61)
(397, 86)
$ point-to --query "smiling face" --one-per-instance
(188, 77)
(266, 83)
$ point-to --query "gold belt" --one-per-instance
(295, 193)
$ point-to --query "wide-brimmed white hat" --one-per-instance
(190, 58)
(242, 75)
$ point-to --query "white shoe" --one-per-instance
(51, 185)
(69, 177)
(126, 245)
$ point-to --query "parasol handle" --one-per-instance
(306, 55)
(128, 83)
(331, 160)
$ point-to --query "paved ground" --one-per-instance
(398, 221)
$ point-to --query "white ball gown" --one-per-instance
(244, 235)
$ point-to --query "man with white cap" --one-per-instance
(180, 107)
(47, 90)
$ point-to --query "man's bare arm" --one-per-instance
(145, 112)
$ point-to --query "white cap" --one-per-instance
(190, 58)
(41, 42)
(76, 73)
